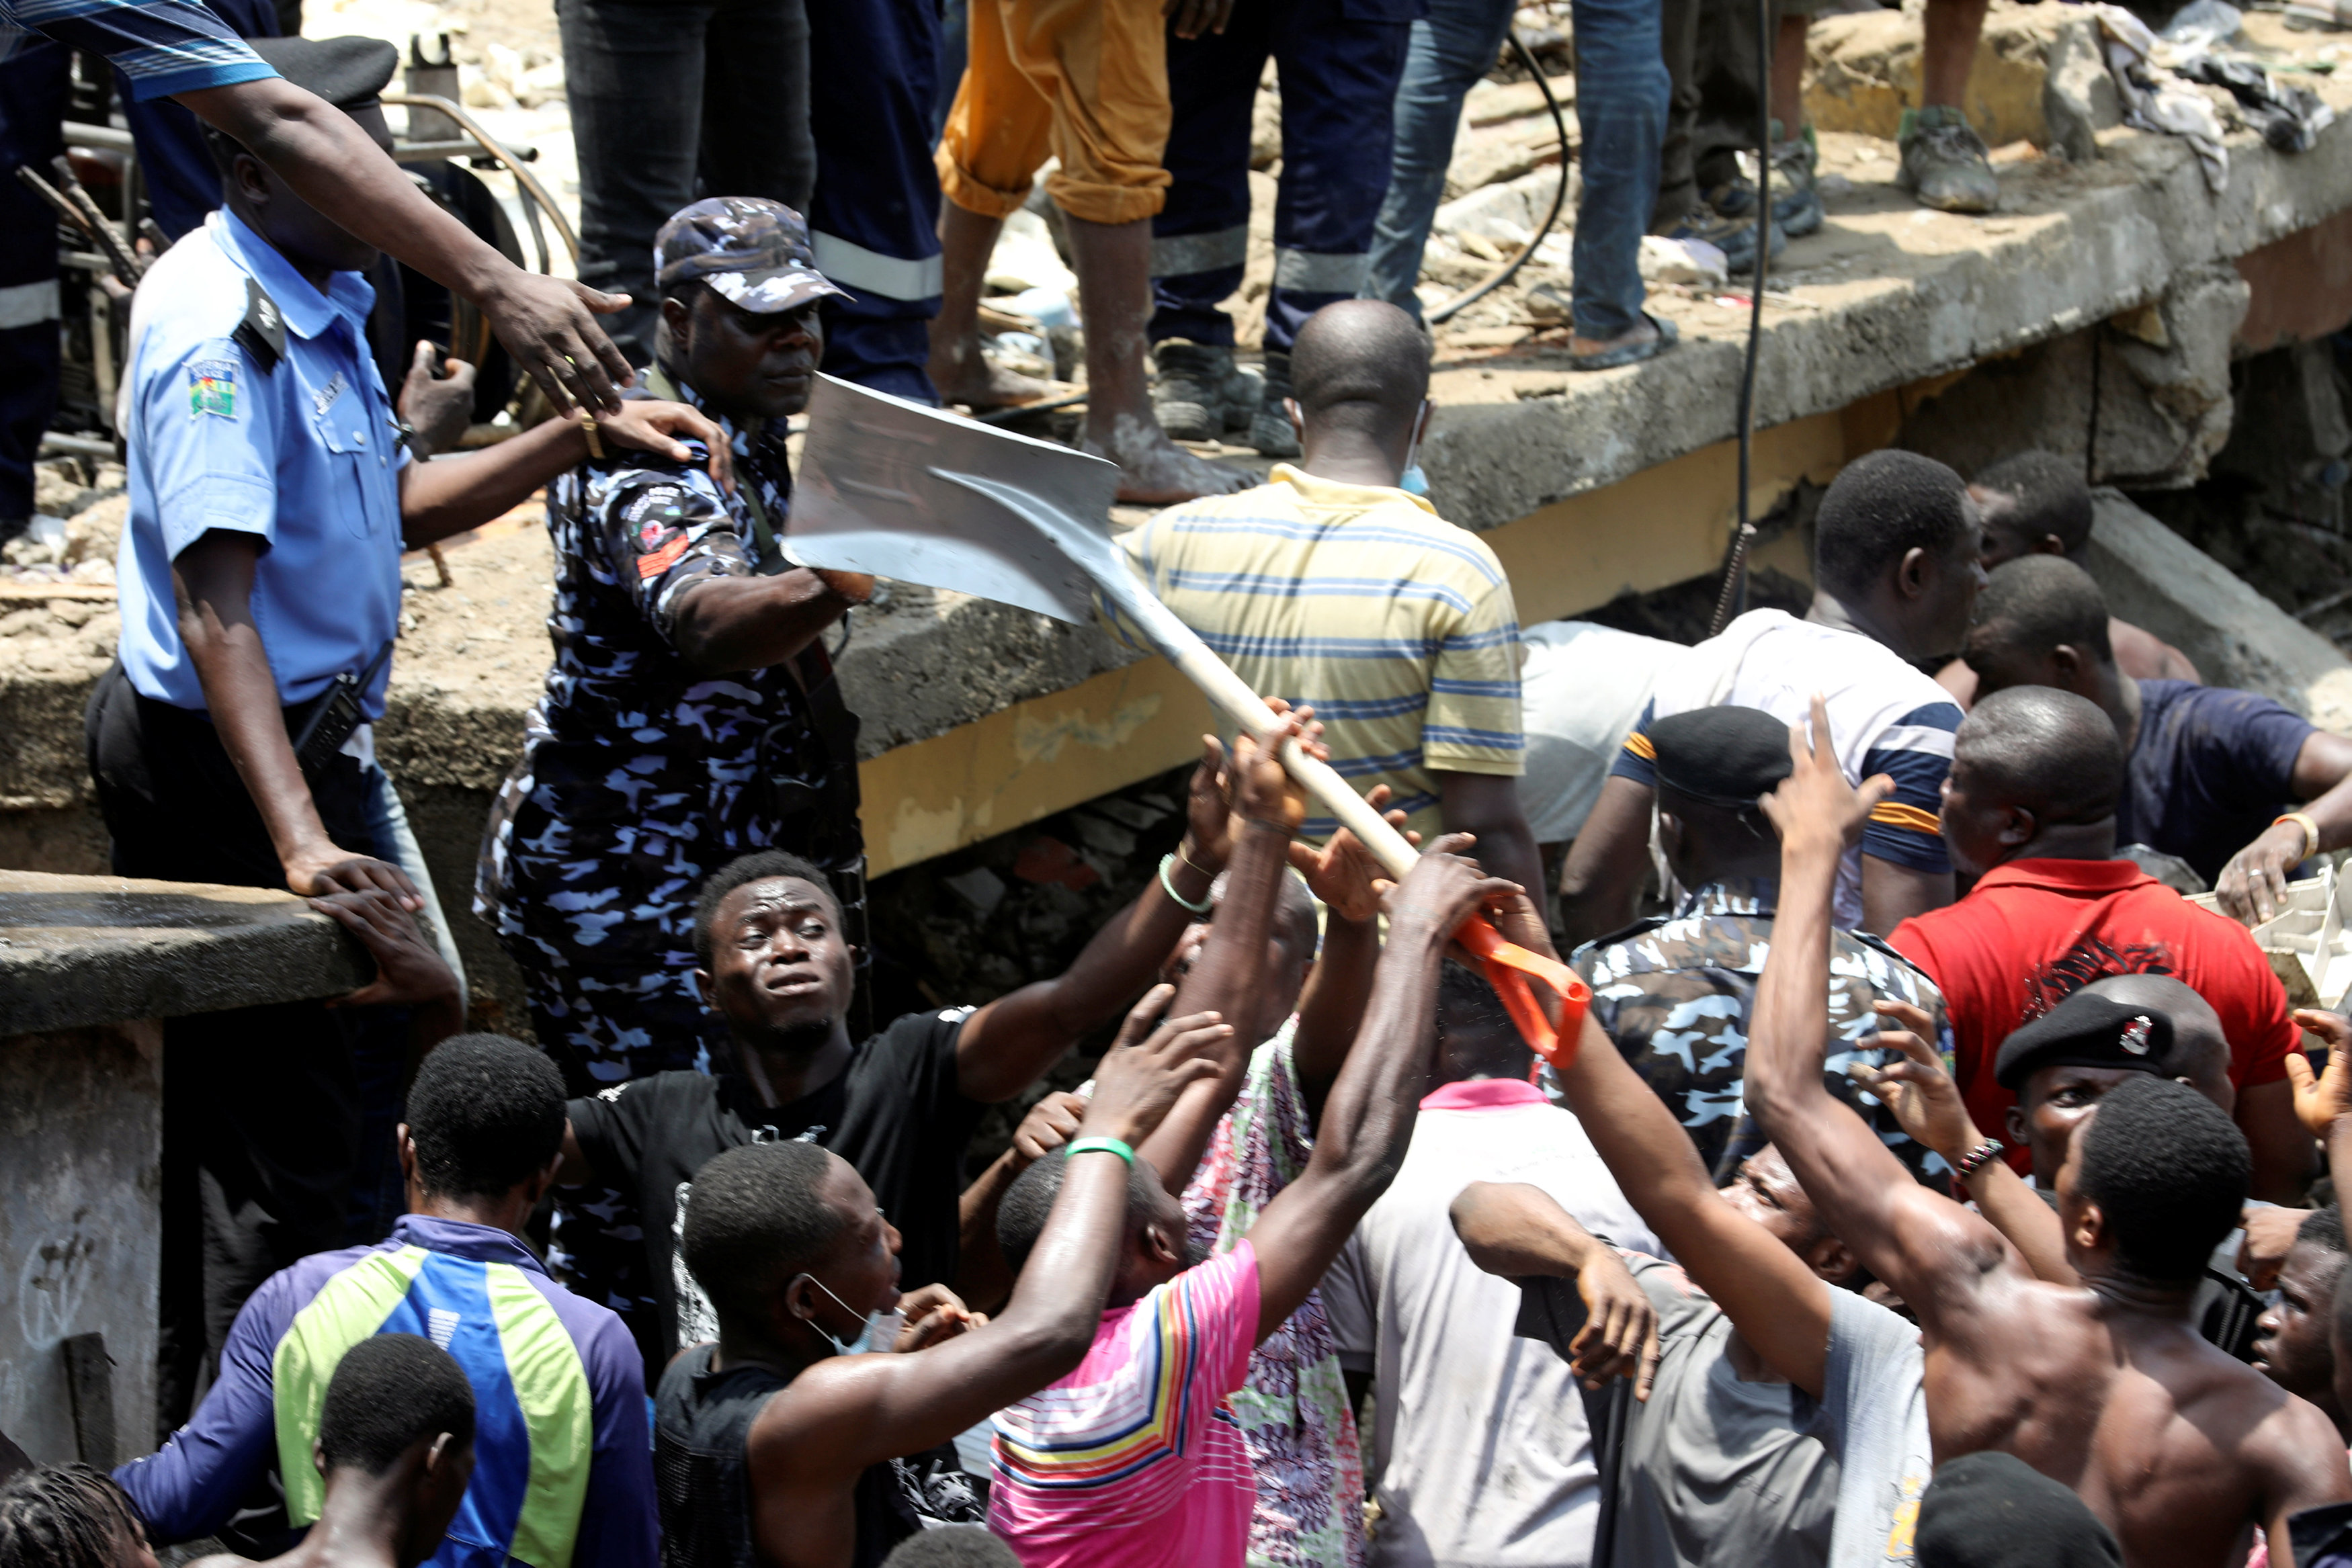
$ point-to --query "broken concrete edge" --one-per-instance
(2158, 580)
(2109, 249)
(77, 952)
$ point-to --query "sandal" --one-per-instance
(1629, 353)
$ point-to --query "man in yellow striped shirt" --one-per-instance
(1331, 585)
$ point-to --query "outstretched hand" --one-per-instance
(1814, 808)
(1144, 1072)
(1925, 1098)
(650, 424)
(549, 326)
(2321, 1098)
(1343, 873)
(1442, 890)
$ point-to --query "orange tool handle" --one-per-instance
(1507, 968)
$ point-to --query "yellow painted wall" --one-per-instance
(1663, 525)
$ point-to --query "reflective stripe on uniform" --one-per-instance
(28, 304)
(1178, 256)
(1319, 272)
(858, 269)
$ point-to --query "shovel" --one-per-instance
(895, 489)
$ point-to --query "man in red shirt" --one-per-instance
(2028, 809)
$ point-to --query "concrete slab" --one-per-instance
(2153, 578)
(82, 951)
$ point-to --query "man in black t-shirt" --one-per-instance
(899, 1107)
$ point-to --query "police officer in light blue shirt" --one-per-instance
(259, 578)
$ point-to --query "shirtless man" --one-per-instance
(2107, 1388)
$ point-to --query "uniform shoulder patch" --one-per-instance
(211, 387)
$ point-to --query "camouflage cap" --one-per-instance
(752, 252)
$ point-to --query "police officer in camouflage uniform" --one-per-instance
(691, 715)
(1675, 992)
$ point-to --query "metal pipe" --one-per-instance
(531, 189)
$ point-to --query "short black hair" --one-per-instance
(2050, 752)
(2322, 1229)
(391, 1392)
(1881, 508)
(1028, 1203)
(1467, 1001)
(2038, 602)
(757, 1218)
(1362, 365)
(64, 1516)
(764, 866)
(486, 1115)
(952, 1546)
(2168, 1171)
(2049, 497)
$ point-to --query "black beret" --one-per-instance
(1993, 1510)
(1728, 757)
(350, 73)
(2085, 1030)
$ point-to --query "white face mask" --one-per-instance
(881, 1333)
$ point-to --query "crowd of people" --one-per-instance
(1927, 1181)
(906, 131)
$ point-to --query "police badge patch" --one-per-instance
(211, 387)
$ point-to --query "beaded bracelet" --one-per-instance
(1976, 1159)
(1168, 885)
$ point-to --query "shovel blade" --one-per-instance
(872, 497)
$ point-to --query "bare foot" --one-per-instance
(965, 375)
(1154, 471)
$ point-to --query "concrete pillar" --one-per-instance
(89, 967)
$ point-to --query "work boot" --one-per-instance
(1735, 238)
(1796, 204)
(1269, 429)
(1943, 162)
(1189, 393)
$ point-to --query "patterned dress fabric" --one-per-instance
(1675, 994)
(1293, 1410)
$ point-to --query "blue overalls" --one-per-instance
(874, 222)
(1340, 62)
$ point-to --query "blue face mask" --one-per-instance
(1414, 482)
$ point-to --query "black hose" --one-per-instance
(1510, 268)
(1733, 600)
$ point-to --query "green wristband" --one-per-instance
(1102, 1145)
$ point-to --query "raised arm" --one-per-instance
(1922, 1244)
(1929, 1105)
(1345, 876)
(1779, 1305)
(547, 324)
(983, 1278)
(1231, 966)
(849, 1412)
(454, 494)
(1367, 1122)
(1006, 1044)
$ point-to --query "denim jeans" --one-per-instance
(1452, 48)
(669, 102)
(1621, 93)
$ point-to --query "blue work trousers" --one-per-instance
(1453, 46)
(1339, 62)
(873, 83)
(1622, 96)
(32, 108)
